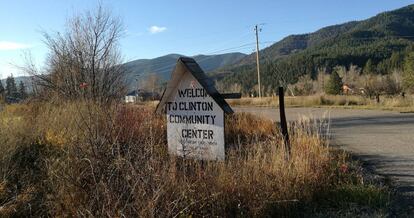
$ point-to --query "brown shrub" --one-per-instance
(113, 162)
(246, 128)
(134, 122)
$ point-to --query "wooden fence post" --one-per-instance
(283, 123)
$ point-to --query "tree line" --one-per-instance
(378, 59)
(11, 92)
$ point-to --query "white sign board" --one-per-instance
(195, 122)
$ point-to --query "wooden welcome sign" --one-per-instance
(195, 113)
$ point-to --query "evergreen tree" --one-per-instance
(1, 88)
(22, 90)
(369, 67)
(408, 75)
(334, 84)
(383, 67)
(396, 61)
(11, 89)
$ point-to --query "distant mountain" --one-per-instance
(163, 66)
(355, 42)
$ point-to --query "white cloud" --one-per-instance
(6, 69)
(5, 45)
(156, 29)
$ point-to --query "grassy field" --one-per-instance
(396, 103)
(82, 159)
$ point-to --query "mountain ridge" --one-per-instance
(354, 42)
(162, 66)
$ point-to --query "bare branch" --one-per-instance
(84, 61)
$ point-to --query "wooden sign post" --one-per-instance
(283, 123)
(195, 113)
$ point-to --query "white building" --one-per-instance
(131, 97)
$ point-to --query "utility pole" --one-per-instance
(257, 59)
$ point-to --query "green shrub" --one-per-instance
(334, 85)
(408, 75)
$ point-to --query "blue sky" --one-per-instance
(155, 28)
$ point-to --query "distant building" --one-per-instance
(141, 95)
(131, 97)
(346, 89)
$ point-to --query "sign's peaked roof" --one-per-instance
(185, 64)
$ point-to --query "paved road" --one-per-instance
(383, 138)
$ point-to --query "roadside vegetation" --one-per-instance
(397, 103)
(82, 159)
(347, 88)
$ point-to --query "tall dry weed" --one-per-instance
(112, 161)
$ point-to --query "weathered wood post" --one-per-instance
(283, 123)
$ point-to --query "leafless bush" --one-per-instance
(381, 85)
(84, 61)
(304, 86)
(392, 84)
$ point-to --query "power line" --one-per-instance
(250, 45)
(247, 45)
(217, 52)
(231, 41)
(209, 54)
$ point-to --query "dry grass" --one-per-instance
(80, 159)
(396, 103)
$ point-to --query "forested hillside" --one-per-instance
(379, 45)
